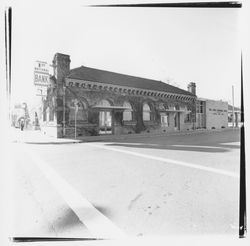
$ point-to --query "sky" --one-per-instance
(168, 44)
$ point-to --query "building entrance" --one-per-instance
(105, 122)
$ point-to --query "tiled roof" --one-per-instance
(101, 76)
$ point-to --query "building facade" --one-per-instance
(88, 102)
(234, 116)
(211, 114)
(18, 113)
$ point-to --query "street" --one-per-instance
(185, 184)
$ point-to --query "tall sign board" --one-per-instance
(41, 77)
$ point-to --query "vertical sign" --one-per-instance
(41, 77)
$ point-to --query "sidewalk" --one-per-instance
(36, 137)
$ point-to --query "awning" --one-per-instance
(176, 111)
(110, 108)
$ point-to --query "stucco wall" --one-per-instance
(216, 114)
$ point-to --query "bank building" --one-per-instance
(85, 101)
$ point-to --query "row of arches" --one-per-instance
(128, 114)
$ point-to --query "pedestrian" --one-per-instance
(22, 124)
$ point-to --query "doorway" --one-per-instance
(105, 122)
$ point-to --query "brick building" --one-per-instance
(90, 101)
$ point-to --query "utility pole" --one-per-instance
(64, 129)
(233, 104)
(76, 109)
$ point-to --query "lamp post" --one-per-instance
(233, 104)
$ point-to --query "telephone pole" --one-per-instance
(233, 104)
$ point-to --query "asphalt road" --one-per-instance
(157, 186)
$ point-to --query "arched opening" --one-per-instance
(177, 118)
(164, 114)
(103, 103)
(105, 117)
(127, 114)
(77, 112)
(187, 118)
(146, 113)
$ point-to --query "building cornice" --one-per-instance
(90, 85)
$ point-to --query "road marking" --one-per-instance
(196, 146)
(180, 163)
(99, 225)
(232, 143)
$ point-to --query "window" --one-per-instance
(200, 107)
(81, 114)
(127, 114)
(51, 114)
(146, 112)
(103, 103)
(176, 107)
(44, 115)
(187, 118)
(47, 114)
(164, 119)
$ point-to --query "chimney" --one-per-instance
(61, 64)
(192, 88)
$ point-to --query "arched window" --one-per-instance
(103, 103)
(79, 112)
(127, 114)
(146, 112)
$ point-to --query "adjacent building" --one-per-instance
(86, 101)
(234, 116)
(211, 114)
(18, 113)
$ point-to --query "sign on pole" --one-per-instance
(41, 77)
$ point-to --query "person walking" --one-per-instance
(22, 124)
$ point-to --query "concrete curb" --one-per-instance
(51, 140)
